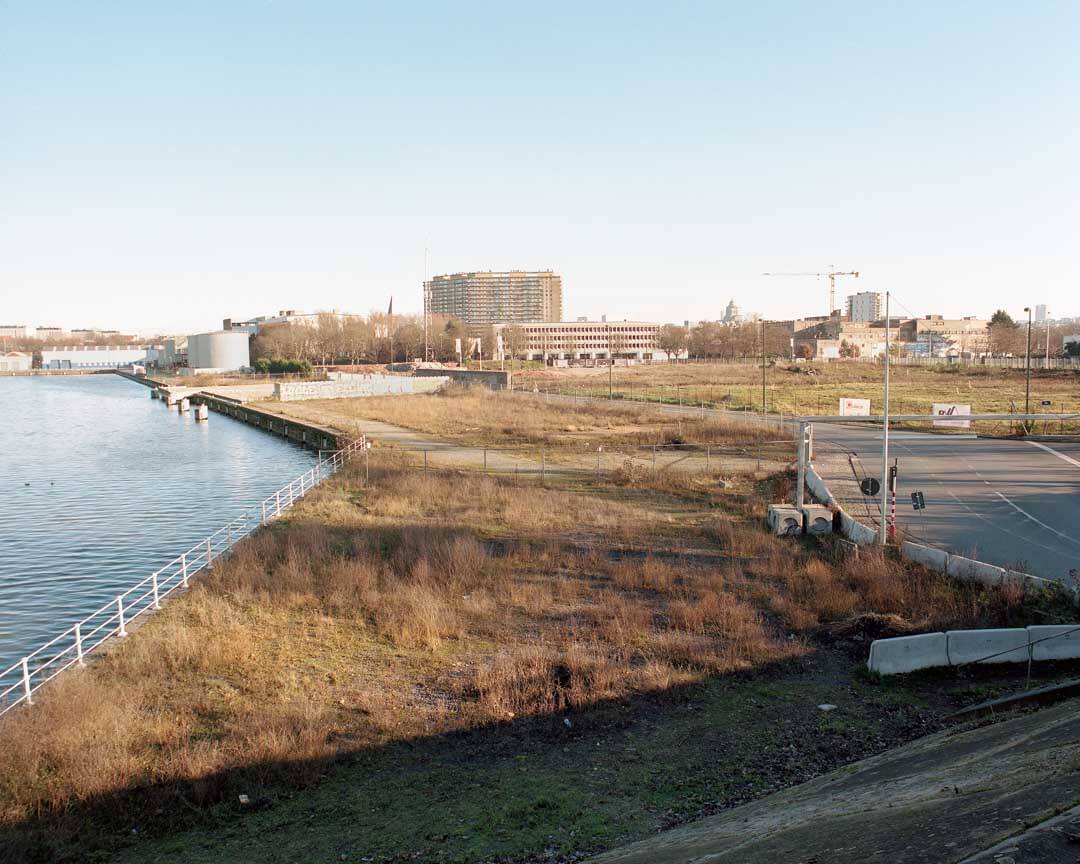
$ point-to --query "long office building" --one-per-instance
(511, 297)
(581, 340)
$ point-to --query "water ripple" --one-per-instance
(102, 484)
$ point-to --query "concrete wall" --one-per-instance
(345, 386)
(494, 379)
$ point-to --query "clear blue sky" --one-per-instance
(163, 165)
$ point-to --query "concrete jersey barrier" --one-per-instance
(971, 570)
(850, 528)
(908, 653)
(930, 558)
(987, 646)
(961, 647)
(1054, 641)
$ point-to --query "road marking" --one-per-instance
(1036, 521)
(1054, 452)
(999, 528)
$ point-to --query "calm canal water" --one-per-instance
(101, 485)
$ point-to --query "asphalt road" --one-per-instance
(1011, 503)
(1007, 502)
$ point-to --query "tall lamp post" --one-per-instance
(1027, 388)
(884, 535)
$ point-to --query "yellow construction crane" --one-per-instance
(830, 274)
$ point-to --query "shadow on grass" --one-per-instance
(562, 784)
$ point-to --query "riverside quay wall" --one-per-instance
(345, 385)
(302, 432)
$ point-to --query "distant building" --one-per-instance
(97, 356)
(15, 361)
(581, 340)
(864, 306)
(933, 335)
(1041, 313)
(732, 315)
(252, 326)
(937, 336)
(174, 351)
(51, 334)
(837, 338)
(14, 331)
(510, 297)
(220, 351)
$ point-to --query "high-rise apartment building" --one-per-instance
(1041, 313)
(864, 306)
(512, 297)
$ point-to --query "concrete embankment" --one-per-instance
(942, 798)
(303, 432)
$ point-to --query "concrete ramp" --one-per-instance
(943, 798)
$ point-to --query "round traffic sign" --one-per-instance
(870, 486)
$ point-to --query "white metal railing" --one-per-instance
(19, 682)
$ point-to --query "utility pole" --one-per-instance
(885, 435)
(427, 310)
(611, 364)
(763, 370)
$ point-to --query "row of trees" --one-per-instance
(368, 339)
(1008, 336)
(714, 340)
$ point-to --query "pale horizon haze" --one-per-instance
(163, 166)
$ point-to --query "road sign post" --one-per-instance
(892, 500)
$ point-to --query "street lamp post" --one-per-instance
(1027, 386)
(885, 436)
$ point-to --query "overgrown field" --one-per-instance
(477, 415)
(816, 388)
(457, 668)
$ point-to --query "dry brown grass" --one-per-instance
(427, 603)
(816, 388)
(478, 415)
